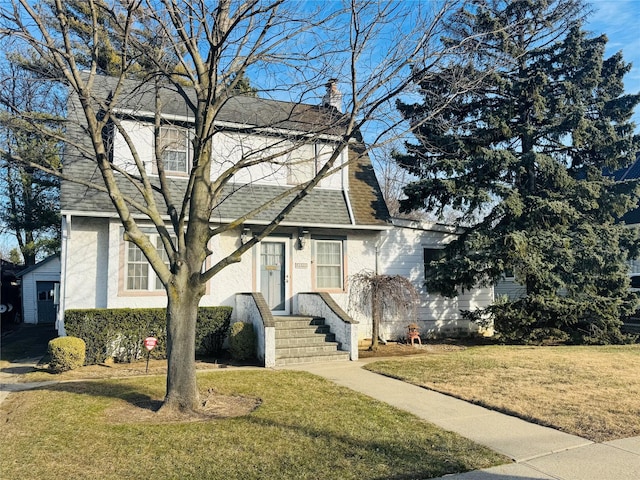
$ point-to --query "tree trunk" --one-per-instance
(375, 320)
(182, 312)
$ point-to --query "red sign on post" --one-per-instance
(150, 343)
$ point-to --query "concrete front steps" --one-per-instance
(302, 339)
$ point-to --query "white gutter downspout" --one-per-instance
(381, 241)
(64, 255)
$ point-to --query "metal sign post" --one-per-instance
(149, 343)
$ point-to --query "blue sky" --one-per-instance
(620, 21)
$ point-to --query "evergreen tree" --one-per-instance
(30, 204)
(527, 153)
(30, 208)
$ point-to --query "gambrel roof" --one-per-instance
(361, 204)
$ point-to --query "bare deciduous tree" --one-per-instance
(201, 51)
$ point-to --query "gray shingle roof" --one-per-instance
(320, 207)
(138, 99)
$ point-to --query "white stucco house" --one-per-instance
(342, 227)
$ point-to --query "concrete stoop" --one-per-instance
(305, 340)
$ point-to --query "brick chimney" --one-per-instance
(333, 97)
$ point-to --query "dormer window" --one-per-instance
(300, 169)
(175, 149)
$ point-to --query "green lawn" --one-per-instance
(304, 428)
(590, 391)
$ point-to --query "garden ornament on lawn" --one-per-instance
(414, 334)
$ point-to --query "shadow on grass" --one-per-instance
(413, 458)
(428, 454)
(19, 369)
(477, 475)
(122, 389)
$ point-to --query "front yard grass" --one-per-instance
(589, 391)
(304, 428)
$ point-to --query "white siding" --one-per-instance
(86, 257)
(47, 272)
(401, 253)
(508, 287)
(95, 273)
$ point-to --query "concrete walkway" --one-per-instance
(9, 377)
(29, 344)
(539, 453)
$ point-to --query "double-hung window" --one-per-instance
(301, 166)
(175, 150)
(137, 269)
(329, 264)
(140, 276)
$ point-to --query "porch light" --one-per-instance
(245, 235)
(302, 233)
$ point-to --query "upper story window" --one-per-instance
(300, 169)
(108, 138)
(175, 148)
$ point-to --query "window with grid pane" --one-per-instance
(165, 258)
(137, 269)
(140, 275)
(175, 149)
(329, 264)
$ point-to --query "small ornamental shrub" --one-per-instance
(66, 353)
(242, 341)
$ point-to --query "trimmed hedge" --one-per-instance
(119, 332)
(242, 341)
(66, 353)
(212, 329)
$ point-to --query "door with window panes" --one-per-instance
(273, 275)
(46, 301)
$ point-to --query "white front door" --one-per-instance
(274, 275)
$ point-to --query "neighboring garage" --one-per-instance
(40, 291)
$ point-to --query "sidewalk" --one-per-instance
(28, 344)
(9, 377)
(539, 453)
